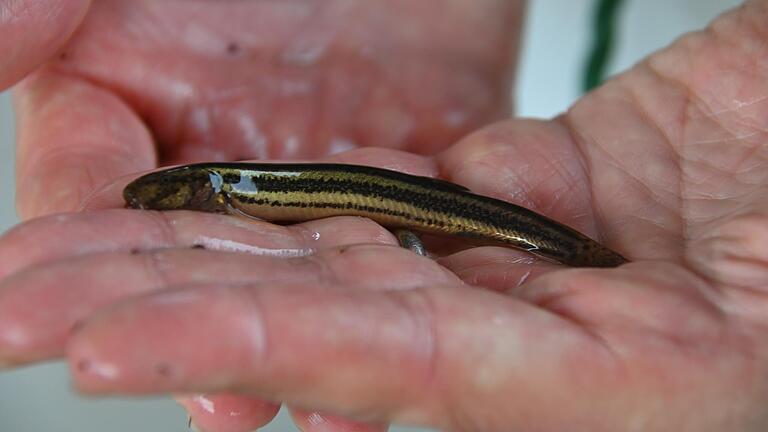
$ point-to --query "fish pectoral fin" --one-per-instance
(234, 211)
(409, 240)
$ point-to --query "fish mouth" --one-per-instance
(131, 196)
(134, 203)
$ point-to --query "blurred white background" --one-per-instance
(557, 35)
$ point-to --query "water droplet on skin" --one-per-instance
(340, 145)
(181, 89)
(103, 370)
(305, 54)
(252, 135)
(455, 118)
(14, 337)
(524, 278)
(291, 145)
(205, 403)
(316, 419)
(200, 120)
(62, 218)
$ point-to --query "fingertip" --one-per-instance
(20, 341)
(179, 340)
(32, 31)
(228, 412)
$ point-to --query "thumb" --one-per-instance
(31, 31)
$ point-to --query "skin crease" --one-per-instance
(666, 164)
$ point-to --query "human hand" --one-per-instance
(665, 164)
(147, 84)
(143, 84)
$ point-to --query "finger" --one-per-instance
(228, 413)
(32, 31)
(73, 137)
(313, 421)
(78, 287)
(495, 268)
(61, 236)
(372, 355)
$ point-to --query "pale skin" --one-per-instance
(666, 164)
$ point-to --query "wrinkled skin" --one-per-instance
(666, 164)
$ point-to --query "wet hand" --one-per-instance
(664, 164)
(112, 88)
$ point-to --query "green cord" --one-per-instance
(604, 23)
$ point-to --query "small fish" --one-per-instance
(301, 192)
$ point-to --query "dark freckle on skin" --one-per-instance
(83, 365)
(76, 327)
(134, 251)
(64, 56)
(233, 48)
(164, 370)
